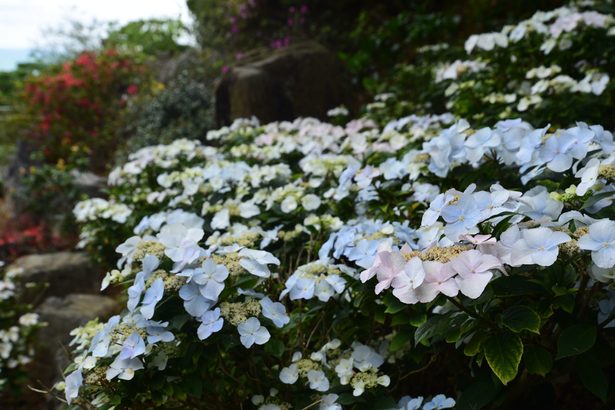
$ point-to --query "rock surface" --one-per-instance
(303, 79)
(64, 272)
(89, 184)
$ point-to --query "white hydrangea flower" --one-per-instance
(318, 380)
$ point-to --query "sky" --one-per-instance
(22, 21)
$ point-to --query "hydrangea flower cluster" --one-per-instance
(285, 239)
(549, 66)
(357, 367)
(18, 328)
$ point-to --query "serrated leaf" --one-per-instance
(575, 340)
(503, 353)
(519, 318)
(537, 360)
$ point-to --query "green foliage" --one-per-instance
(503, 353)
(18, 330)
(153, 37)
(72, 106)
(519, 318)
(537, 360)
(182, 109)
(575, 340)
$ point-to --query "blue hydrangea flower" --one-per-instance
(409, 403)
(203, 287)
(157, 332)
(256, 261)
(101, 340)
(211, 322)
(123, 368)
(132, 347)
(210, 279)
(181, 244)
(194, 302)
(251, 332)
(73, 383)
(600, 240)
(135, 291)
(274, 311)
(153, 295)
(439, 402)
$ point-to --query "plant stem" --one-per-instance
(581, 292)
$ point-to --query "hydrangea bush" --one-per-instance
(556, 65)
(18, 327)
(420, 265)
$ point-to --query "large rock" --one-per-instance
(63, 272)
(89, 184)
(304, 79)
(63, 315)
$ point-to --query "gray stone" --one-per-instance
(301, 80)
(63, 315)
(89, 184)
(63, 272)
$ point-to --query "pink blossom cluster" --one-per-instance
(416, 280)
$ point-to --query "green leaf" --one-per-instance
(384, 403)
(501, 226)
(393, 304)
(380, 316)
(514, 285)
(434, 327)
(417, 319)
(400, 319)
(472, 348)
(565, 302)
(347, 399)
(274, 347)
(400, 340)
(478, 394)
(575, 340)
(593, 377)
(519, 318)
(503, 353)
(453, 335)
(592, 200)
(537, 360)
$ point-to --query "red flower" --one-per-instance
(84, 59)
(132, 89)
